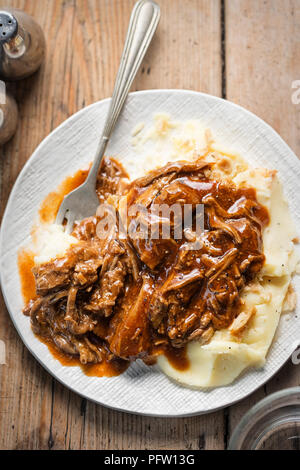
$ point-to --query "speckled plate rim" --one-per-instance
(6, 221)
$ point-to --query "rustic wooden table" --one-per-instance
(247, 51)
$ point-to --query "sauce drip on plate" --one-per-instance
(50, 205)
(112, 299)
(25, 265)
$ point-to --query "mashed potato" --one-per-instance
(228, 354)
(50, 241)
(233, 350)
(246, 343)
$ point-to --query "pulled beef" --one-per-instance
(112, 179)
(79, 266)
(128, 297)
(130, 332)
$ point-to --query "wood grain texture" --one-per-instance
(84, 44)
(257, 49)
(262, 60)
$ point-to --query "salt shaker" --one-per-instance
(22, 45)
(8, 118)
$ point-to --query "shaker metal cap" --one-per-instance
(8, 26)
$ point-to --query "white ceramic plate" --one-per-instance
(71, 146)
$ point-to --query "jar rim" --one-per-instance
(260, 409)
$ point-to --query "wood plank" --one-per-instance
(262, 61)
(84, 44)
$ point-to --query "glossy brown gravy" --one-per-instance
(47, 213)
(186, 185)
(178, 357)
(103, 369)
(25, 265)
(50, 205)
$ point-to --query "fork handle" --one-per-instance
(143, 23)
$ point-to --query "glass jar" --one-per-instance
(273, 423)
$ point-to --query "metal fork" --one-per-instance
(83, 201)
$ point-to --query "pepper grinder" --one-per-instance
(8, 118)
(22, 45)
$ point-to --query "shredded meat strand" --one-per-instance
(125, 297)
